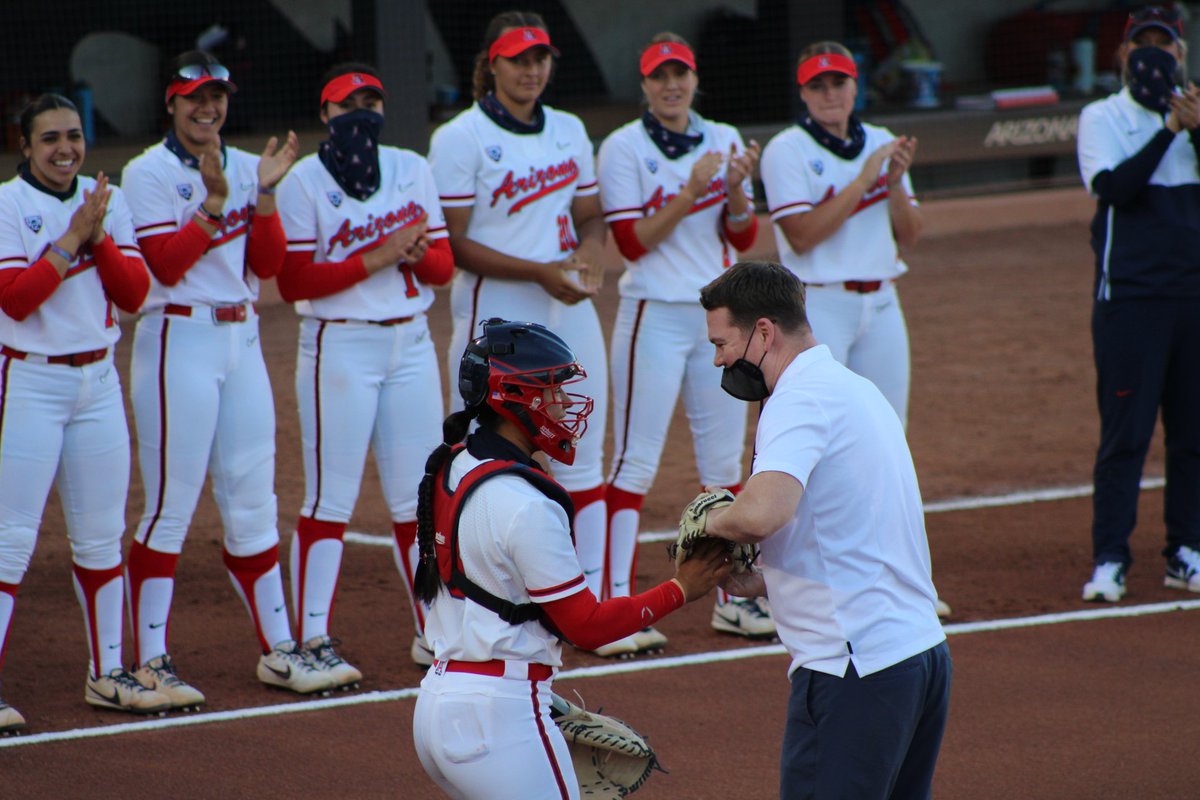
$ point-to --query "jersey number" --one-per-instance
(566, 237)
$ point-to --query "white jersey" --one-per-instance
(78, 316)
(637, 180)
(798, 175)
(519, 187)
(320, 218)
(849, 574)
(164, 193)
(514, 542)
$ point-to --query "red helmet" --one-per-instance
(510, 367)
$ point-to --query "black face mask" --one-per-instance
(744, 380)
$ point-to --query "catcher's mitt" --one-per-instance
(611, 759)
(691, 531)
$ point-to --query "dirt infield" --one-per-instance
(1002, 402)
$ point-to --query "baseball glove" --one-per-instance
(611, 759)
(691, 531)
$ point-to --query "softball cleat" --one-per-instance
(321, 655)
(287, 667)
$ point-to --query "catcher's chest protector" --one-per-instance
(447, 512)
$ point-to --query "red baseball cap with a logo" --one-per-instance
(825, 62)
(343, 86)
(659, 53)
(515, 41)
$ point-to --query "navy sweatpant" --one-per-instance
(1147, 354)
(872, 738)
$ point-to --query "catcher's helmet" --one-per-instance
(510, 366)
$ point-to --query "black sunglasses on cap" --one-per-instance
(1165, 16)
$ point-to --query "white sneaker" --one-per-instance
(322, 655)
(626, 647)
(159, 674)
(749, 617)
(120, 691)
(650, 640)
(1183, 570)
(10, 719)
(1107, 583)
(942, 607)
(420, 652)
(287, 668)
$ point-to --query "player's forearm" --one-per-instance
(124, 278)
(483, 260)
(906, 218)
(302, 279)
(170, 255)
(805, 231)
(436, 267)
(22, 291)
(651, 231)
(266, 245)
(589, 624)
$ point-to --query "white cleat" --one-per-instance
(287, 667)
(626, 647)
(650, 640)
(159, 674)
(321, 654)
(120, 691)
(1107, 583)
(11, 720)
(749, 617)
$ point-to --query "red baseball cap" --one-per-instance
(1167, 18)
(661, 52)
(190, 77)
(825, 62)
(343, 86)
(515, 41)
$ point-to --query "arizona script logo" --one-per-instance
(536, 185)
(234, 222)
(715, 193)
(376, 227)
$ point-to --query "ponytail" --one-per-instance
(428, 582)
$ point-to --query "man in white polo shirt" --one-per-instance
(834, 505)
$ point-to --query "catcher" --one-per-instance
(505, 588)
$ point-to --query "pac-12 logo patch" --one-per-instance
(34, 222)
(818, 166)
(335, 198)
(652, 165)
(185, 190)
(494, 152)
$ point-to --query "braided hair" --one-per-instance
(427, 581)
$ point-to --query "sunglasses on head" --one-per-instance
(191, 72)
(1167, 16)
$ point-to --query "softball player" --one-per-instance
(518, 187)
(502, 546)
(366, 240)
(68, 260)
(841, 199)
(205, 218)
(675, 189)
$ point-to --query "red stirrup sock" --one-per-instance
(100, 593)
(316, 562)
(149, 586)
(258, 582)
(620, 552)
(8, 600)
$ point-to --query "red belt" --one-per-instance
(498, 669)
(385, 322)
(236, 313)
(70, 359)
(862, 287)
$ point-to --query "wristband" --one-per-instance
(735, 218)
(268, 190)
(63, 254)
(207, 216)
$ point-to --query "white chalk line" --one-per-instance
(637, 665)
(614, 668)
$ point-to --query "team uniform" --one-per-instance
(851, 590)
(201, 395)
(482, 735)
(519, 187)
(366, 370)
(1145, 331)
(62, 417)
(660, 342)
(850, 277)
